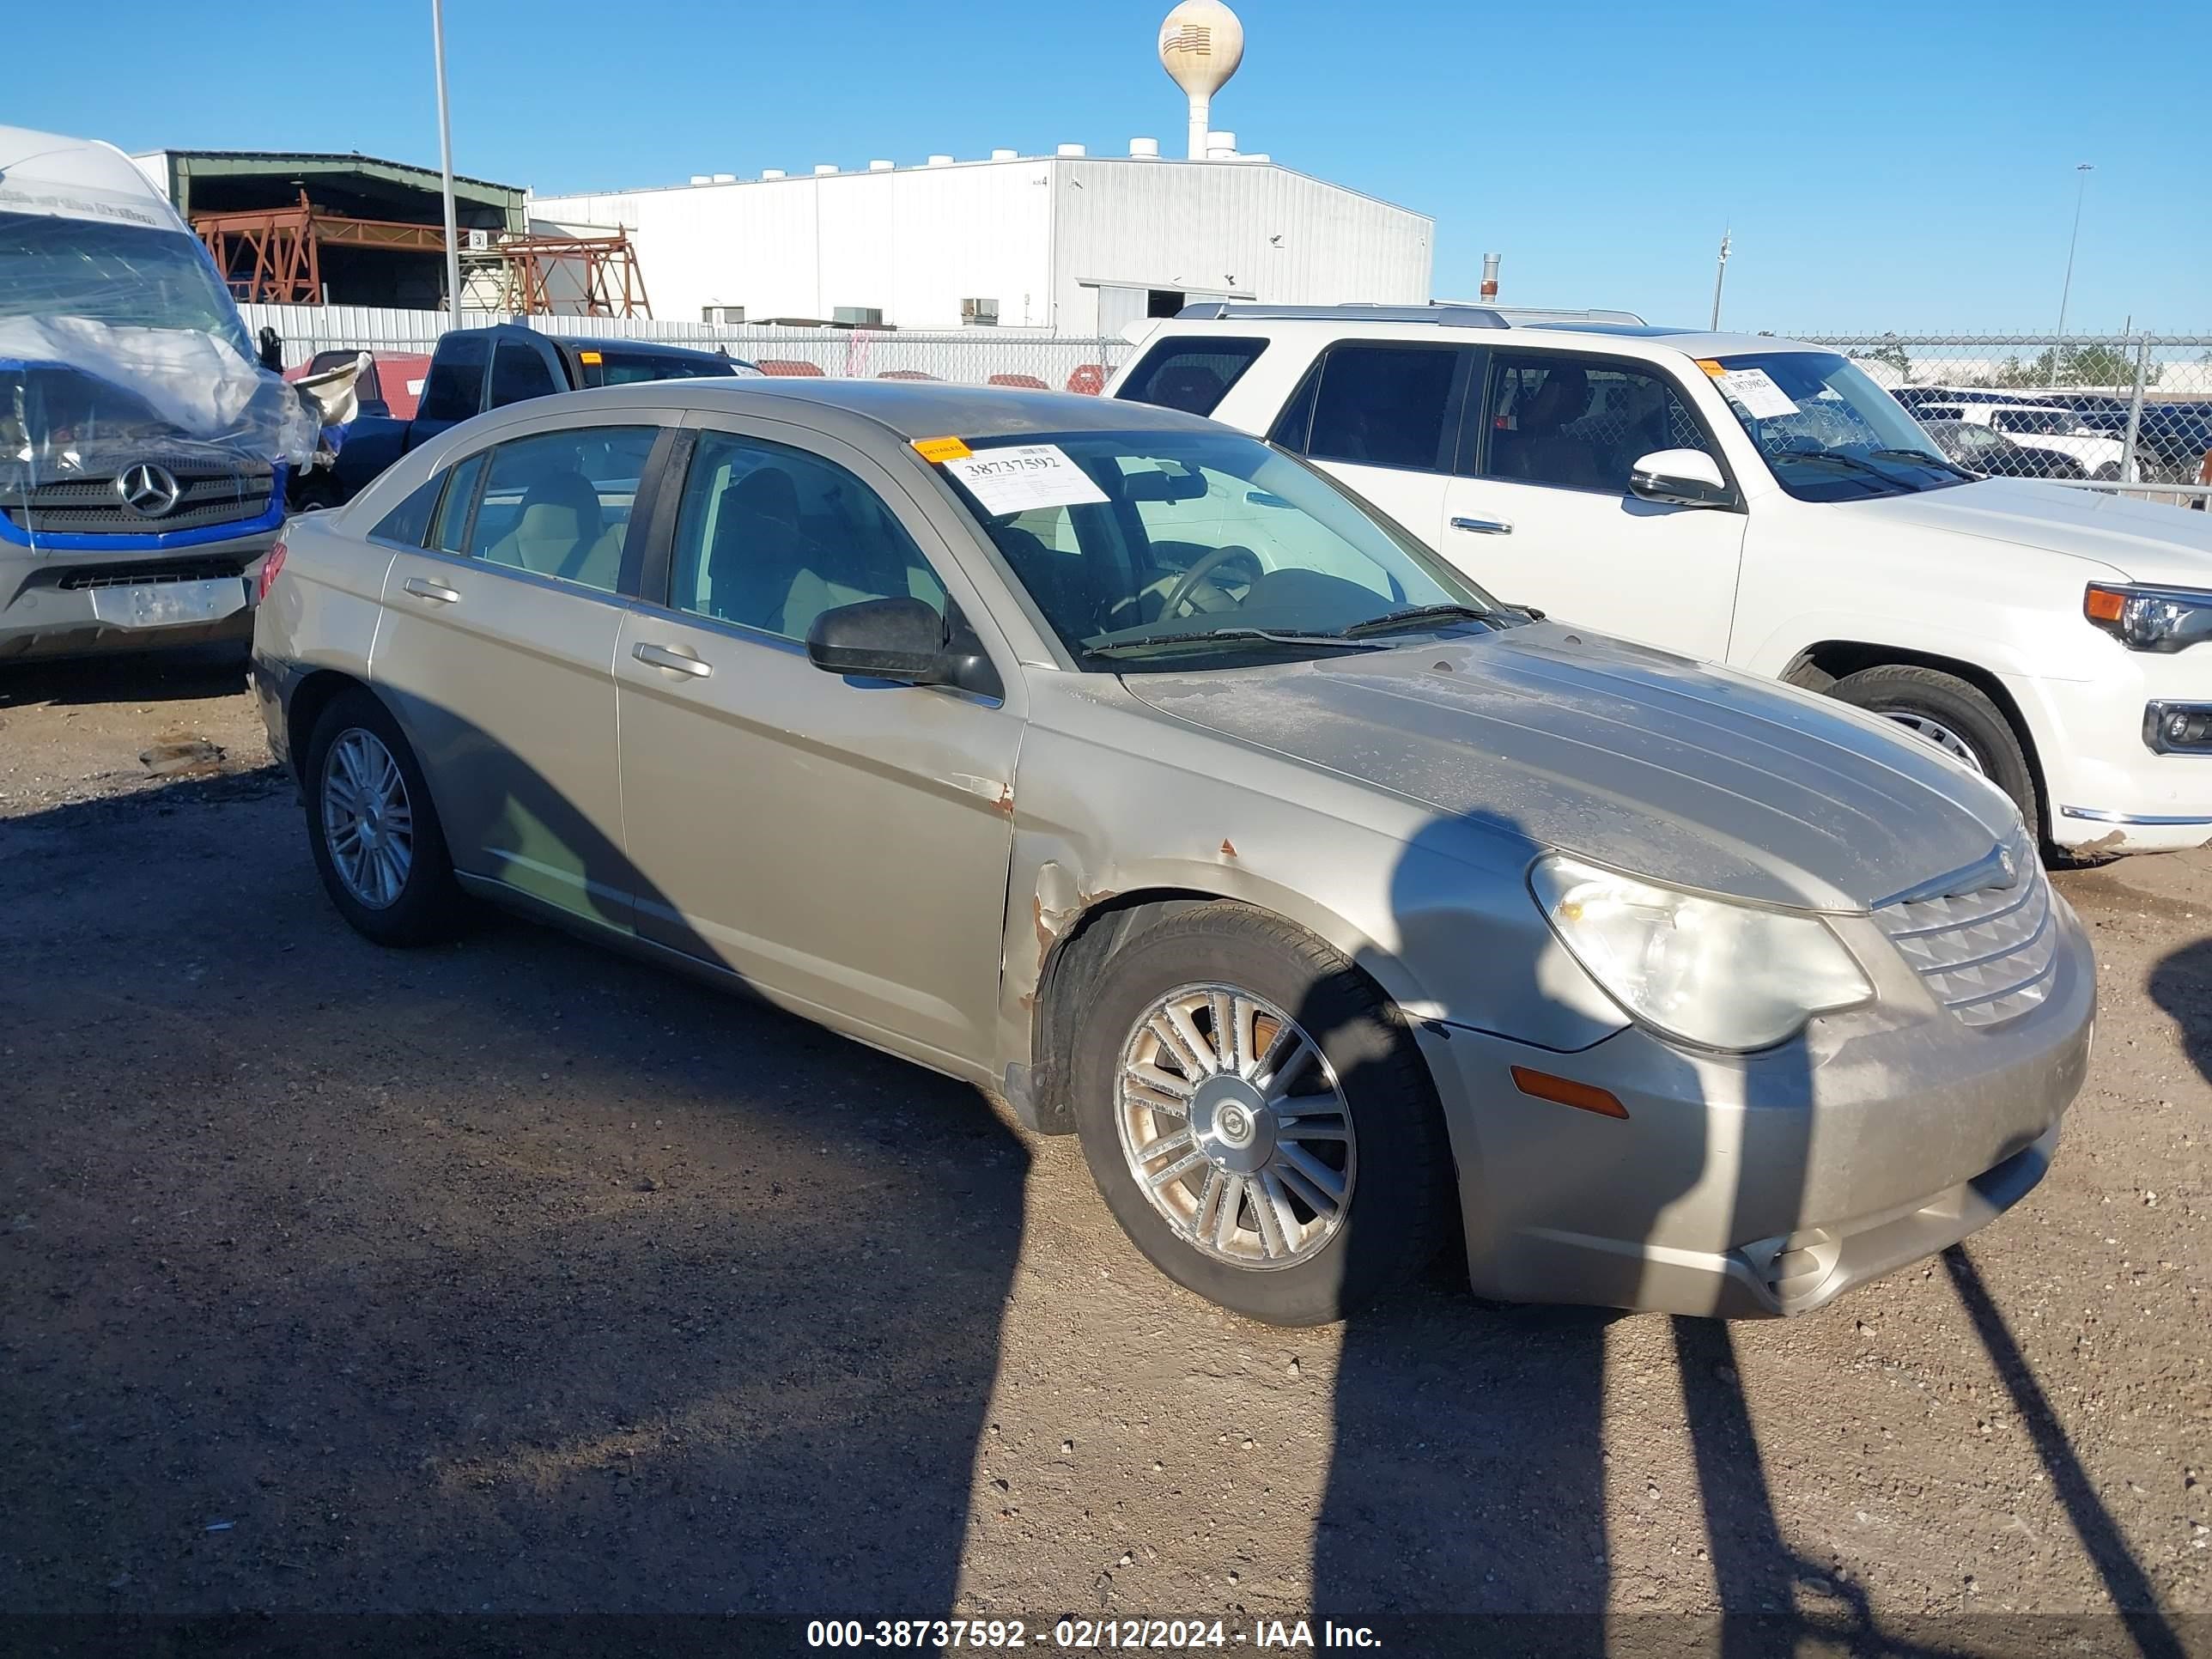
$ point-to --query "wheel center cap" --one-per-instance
(1232, 1125)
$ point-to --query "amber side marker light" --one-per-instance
(2101, 604)
(1566, 1091)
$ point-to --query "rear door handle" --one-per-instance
(1484, 527)
(424, 588)
(671, 658)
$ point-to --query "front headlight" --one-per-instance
(1716, 975)
(2163, 619)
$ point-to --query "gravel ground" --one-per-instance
(514, 1275)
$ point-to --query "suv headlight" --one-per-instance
(2164, 619)
(1716, 975)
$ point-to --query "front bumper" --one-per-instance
(2109, 791)
(47, 609)
(1762, 1185)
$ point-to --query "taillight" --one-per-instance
(270, 567)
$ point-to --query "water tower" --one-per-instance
(1201, 43)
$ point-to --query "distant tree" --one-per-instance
(2082, 365)
(1890, 352)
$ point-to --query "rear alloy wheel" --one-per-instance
(375, 835)
(1956, 717)
(1259, 1118)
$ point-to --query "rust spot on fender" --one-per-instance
(1043, 932)
(1228, 847)
(1004, 807)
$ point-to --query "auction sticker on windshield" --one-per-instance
(1021, 476)
(1755, 389)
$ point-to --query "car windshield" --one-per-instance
(1168, 547)
(125, 276)
(1828, 431)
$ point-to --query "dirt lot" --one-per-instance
(511, 1275)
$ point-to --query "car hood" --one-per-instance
(1632, 757)
(2141, 541)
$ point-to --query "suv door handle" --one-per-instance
(424, 588)
(669, 657)
(1484, 527)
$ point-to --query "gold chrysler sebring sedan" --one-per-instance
(1133, 771)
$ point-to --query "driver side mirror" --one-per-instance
(904, 641)
(1681, 477)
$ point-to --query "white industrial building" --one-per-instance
(1070, 243)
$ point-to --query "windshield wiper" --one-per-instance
(1231, 636)
(1417, 615)
(1923, 457)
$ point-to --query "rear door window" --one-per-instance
(1386, 405)
(454, 390)
(519, 371)
(451, 532)
(1191, 373)
(558, 503)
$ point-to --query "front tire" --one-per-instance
(1954, 716)
(1258, 1117)
(376, 839)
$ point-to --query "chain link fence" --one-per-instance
(977, 356)
(2125, 412)
(2130, 413)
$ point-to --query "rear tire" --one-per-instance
(1339, 1136)
(1935, 706)
(375, 837)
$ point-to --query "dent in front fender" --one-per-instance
(1434, 909)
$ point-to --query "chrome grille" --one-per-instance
(207, 494)
(1988, 955)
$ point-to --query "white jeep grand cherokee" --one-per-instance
(1760, 503)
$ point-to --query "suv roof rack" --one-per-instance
(1516, 315)
(1445, 316)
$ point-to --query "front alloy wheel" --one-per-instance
(1235, 1127)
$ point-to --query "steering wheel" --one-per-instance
(1205, 565)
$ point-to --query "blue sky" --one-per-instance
(1884, 167)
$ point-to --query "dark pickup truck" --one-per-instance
(474, 369)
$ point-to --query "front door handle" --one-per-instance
(671, 658)
(424, 588)
(1484, 527)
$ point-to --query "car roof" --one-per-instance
(1349, 322)
(908, 408)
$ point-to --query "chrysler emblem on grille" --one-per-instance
(148, 490)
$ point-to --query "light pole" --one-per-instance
(446, 164)
(2081, 172)
(1720, 274)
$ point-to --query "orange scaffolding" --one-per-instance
(274, 255)
(573, 275)
(284, 246)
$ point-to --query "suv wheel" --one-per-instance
(1957, 718)
(375, 835)
(1258, 1117)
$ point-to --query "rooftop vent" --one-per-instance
(881, 167)
(824, 169)
(1005, 155)
(767, 173)
(1070, 149)
(1220, 146)
(1144, 149)
(702, 177)
(725, 178)
(940, 160)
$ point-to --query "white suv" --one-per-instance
(1760, 503)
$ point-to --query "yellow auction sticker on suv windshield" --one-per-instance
(940, 449)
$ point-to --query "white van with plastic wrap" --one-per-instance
(145, 453)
